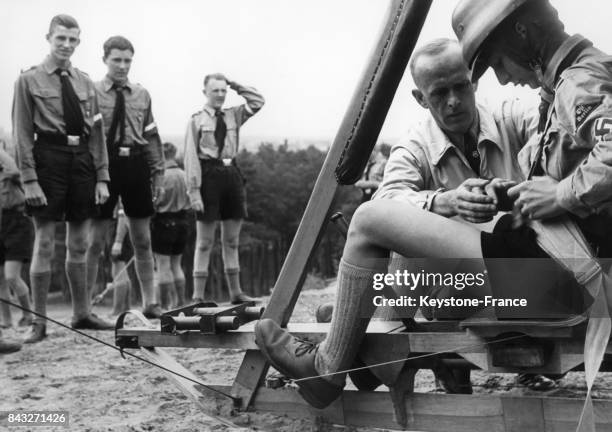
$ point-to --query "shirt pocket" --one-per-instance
(106, 109)
(85, 102)
(135, 113)
(50, 99)
(206, 136)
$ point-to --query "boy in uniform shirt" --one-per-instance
(64, 166)
(136, 165)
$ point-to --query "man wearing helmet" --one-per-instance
(573, 177)
(569, 167)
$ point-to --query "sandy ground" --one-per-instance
(104, 392)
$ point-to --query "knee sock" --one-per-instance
(21, 290)
(199, 284)
(180, 291)
(121, 289)
(167, 293)
(5, 310)
(76, 272)
(92, 275)
(40, 287)
(144, 270)
(232, 277)
(352, 312)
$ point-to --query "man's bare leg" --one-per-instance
(205, 239)
(377, 228)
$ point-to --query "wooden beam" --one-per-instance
(363, 120)
(437, 412)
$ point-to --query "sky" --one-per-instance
(306, 57)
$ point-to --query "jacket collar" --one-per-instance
(108, 84)
(440, 144)
(50, 66)
(552, 71)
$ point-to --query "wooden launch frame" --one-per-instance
(465, 347)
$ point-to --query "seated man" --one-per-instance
(576, 183)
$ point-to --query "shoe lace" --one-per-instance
(305, 346)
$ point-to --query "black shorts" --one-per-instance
(67, 176)
(16, 236)
(518, 268)
(130, 178)
(169, 233)
(223, 192)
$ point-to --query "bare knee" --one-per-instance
(231, 242)
(363, 223)
(96, 245)
(44, 247)
(141, 241)
(204, 245)
(77, 246)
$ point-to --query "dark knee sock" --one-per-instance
(121, 300)
(180, 291)
(232, 277)
(76, 272)
(40, 287)
(166, 290)
(145, 272)
(5, 309)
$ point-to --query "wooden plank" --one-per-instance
(522, 413)
(562, 415)
(413, 342)
(443, 412)
(363, 121)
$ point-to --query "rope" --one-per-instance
(452, 350)
(100, 341)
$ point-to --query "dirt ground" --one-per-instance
(104, 392)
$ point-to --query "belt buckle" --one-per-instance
(73, 140)
(124, 151)
(227, 161)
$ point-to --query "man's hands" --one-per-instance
(537, 198)
(34, 195)
(498, 189)
(469, 201)
(101, 193)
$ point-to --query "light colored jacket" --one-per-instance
(426, 160)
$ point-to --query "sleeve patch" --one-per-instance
(150, 127)
(603, 129)
(583, 111)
